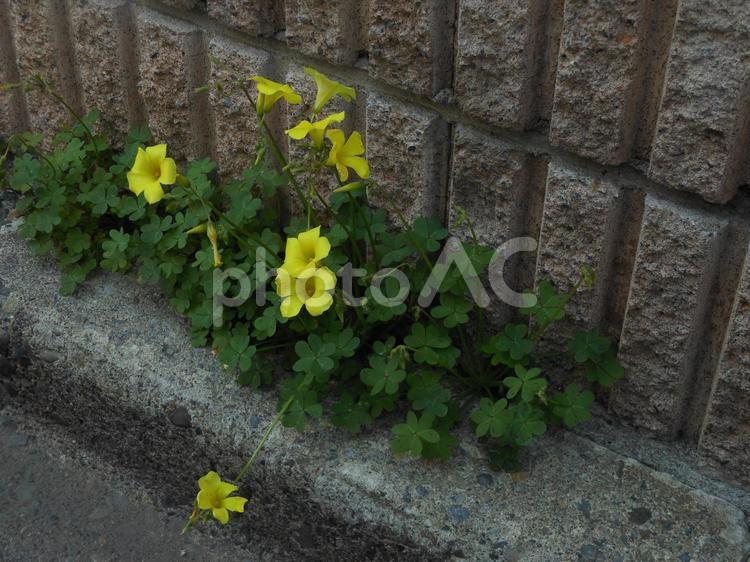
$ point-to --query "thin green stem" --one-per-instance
(368, 228)
(407, 229)
(249, 464)
(283, 163)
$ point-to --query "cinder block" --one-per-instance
(582, 226)
(725, 434)
(13, 114)
(37, 52)
(703, 130)
(324, 28)
(501, 189)
(598, 78)
(184, 4)
(166, 50)
(488, 177)
(255, 17)
(95, 25)
(671, 294)
(237, 130)
(410, 44)
(497, 59)
(407, 150)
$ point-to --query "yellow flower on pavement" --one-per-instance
(269, 92)
(150, 171)
(214, 495)
(316, 129)
(306, 251)
(311, 288)
(346, 153)
(328, 88)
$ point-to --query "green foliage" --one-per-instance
(433, 364)
(410, 437)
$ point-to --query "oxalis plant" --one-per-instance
(352, 342)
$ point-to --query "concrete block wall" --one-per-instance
(617, 133)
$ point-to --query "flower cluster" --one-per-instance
(431, 361)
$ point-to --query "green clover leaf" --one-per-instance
(588, 345)
(383, 375)
(349, 414)
(453, 310)
(550, 305)
(315, 358)
(427, 341)
(411, 436)
(527, 382)
(573, 405)
(605, 370)
(428, 395)
(492, 417)
(528, 422)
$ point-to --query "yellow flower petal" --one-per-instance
(153, 192)
(300, 131)
(308, 240)
(328, 88)
(349, 187)
(318, 305)
(157, 152)
(283, 282)
(343, 171)
(210, 481)
(295, 259)
(168, 171)
(358, 164)
(221, 515)
(142, 163)
(354, 146)
(224, 489)
(235, 503)
(269, 92)
(322, 248)
(290, 306)
(336, 136)
(205, 499)
(327, 277)
(137, 182)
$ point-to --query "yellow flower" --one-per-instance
(311, 288)
(345, 154)
(328, 88)
(269, 92)
(306, 251)
(151, 170)
(214, 495)
(213, 237)
(315, 129)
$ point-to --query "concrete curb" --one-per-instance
(113, 363)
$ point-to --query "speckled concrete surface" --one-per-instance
(113, 363)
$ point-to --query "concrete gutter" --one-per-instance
(114, 366)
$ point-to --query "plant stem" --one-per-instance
(248, 465)
(370, 237)
(283, 163)
(407, 229)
